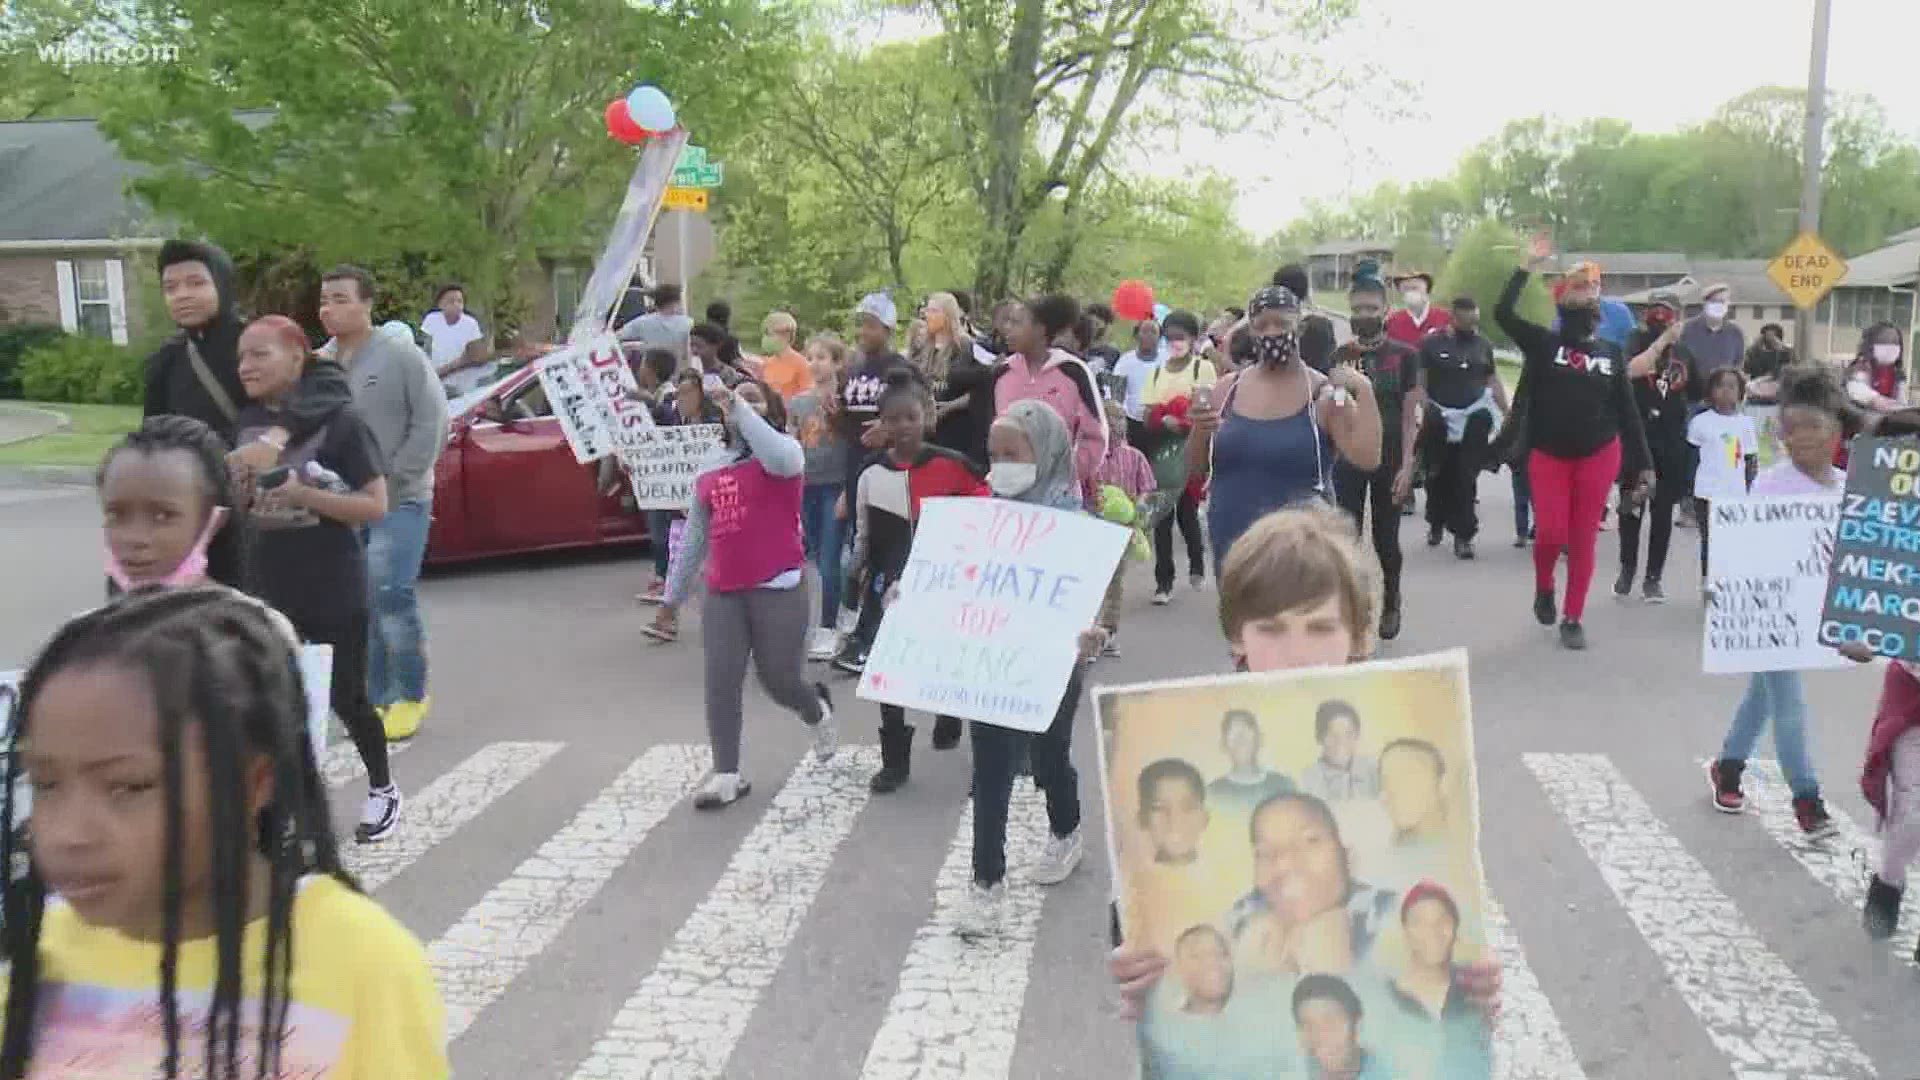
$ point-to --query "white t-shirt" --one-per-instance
(1725, 443)
(449, 341)
(1135, 368)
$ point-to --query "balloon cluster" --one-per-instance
(1133, 300)
(641, 115)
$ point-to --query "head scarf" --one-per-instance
(1054, 485)
(1586, 271)
(1270, 298)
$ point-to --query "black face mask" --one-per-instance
(1367, 327)
(1577, 323)
(1274, 349)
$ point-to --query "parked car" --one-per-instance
(508, 482)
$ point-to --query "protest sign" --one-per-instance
(316, 674)
(1303, 847)
(588, 386)
(662, 465)
(987, 622)
(1766, 582)
(1873, 593)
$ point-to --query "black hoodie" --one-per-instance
(172, 387)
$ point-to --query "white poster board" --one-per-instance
(662, 465)
(587, 386)
(1768, 559)
(987, 622)
(316, 675)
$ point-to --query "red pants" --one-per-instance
(1569, 497)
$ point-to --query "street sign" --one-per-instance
(705, 175)
(691, 157)
(686, 198)
(1807, 269)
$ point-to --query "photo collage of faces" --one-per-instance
(1302, 849)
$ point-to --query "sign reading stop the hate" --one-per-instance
(1873, 593)
(988, 618)
(1807, 270)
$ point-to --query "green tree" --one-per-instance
(1480, 266)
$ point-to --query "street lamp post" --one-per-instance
(1812, 149)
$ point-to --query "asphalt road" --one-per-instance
(584, 920)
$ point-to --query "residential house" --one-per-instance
(1330, 265)
(1624, 272)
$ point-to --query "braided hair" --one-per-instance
(226, 550)
(213, 659)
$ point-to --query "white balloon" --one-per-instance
(650, 108)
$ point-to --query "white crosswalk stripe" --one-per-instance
(439, 809)
(1756, 1011)
(1529, 1043)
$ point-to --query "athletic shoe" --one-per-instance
(1463, 549)
(1058, 862)
(946, 732)
(851, 659)
(1623, 585)
(1162, 597)
(826, 730)
(888, 780)
(1573, 636)
(655, 593)
(1652, 593)
(1811, 812)
(1519, 541)
(1435, 534)
(1111, 647)
(1882, 914)
(1198, 581)
(379, 816)
(665, 635)
(402, 719)
(980, 912)
(1545, 610)
(1390, 624)
(822, 643)
(1725, 778)
(721, 789)
(846, 621)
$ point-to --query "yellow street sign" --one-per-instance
(685, 198)
(1807, 269)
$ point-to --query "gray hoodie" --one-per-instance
(1054, 484)
(401, 401)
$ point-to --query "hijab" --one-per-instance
(1055, 484)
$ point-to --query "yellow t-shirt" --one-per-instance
(362, 1006)
(1165, 385)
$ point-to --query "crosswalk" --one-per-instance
(956, 1009)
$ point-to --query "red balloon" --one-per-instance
(620, 123)
(1133, 300)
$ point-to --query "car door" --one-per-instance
(523, 489)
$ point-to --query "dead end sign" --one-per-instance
(1807, 269)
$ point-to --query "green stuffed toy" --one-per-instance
(1117, 508)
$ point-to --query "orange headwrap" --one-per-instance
(1585, 271)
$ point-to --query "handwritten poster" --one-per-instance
(588, 386)
(987, 622)
(1303, 848)
(1873, 593)
(662, 465)
(1766, 583)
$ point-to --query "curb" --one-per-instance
(40, 476)
(52, 421)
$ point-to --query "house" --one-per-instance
(1330, 265)
(1625, 271)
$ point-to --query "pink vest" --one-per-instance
(753, 525)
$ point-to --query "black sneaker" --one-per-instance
(1435, 534)
(888, 780)
(1623, 585)
(852, 660)
(1725, 778)
(1652, 593)
(1390, 624)
(1462, 548)
(1545, 611)
(1882, 914)
(380, 816)
(1572, 636)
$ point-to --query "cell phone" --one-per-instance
(273, 478)
(1203, 397)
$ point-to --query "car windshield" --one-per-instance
(466, 401)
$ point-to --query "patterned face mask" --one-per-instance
(1274, 349)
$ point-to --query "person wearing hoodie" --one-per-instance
(196, 372)
(1036, 371)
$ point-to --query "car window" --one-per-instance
(529, 402)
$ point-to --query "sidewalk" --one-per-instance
(19, 423)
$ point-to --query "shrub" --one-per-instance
(82, 369)
(16, 339)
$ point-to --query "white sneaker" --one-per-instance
(1060, 859)
(1163, 597)
(721, 789)
(379, 816)
(846, 621)
(979, 914)
(822, 643)
(826, 733)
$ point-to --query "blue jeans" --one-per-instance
(659, 528)
(826, 536)
(1775, 695)
(396, 638)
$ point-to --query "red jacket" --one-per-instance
(1898, 713)
(1402, 328)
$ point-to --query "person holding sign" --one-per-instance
(744, 527)
(1810, 424)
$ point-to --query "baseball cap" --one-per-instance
(880, 306)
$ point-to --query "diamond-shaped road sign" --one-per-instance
(1807, 270)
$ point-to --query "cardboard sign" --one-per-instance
(662, 465)
(1873, 593)
(1767, 580)
(987, 622)
(1264, 827)
(587, 386)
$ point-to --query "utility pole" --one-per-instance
(1813, 146)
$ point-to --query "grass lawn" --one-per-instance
(92, 429)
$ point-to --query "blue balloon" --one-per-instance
(1160, 312)
(650, 109)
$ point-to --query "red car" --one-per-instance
(508, 483)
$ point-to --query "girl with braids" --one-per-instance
(167, 501)
(178, 908)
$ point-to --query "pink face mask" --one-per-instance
(1179, 347)
(192, 568)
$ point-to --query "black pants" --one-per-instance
(1453, 472)
(1670, 486)
(1186, 514)
(1358, 491)
(348, 636)
(871, 603)
(1703, 511)
(996, 759)
(893, 725)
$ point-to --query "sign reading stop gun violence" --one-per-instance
(987, 622)
(1873, 593)
(1767, 581)
(662, 465)
(590, 389)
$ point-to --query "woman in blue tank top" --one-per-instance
(1274, 428)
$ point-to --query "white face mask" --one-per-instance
(1886, 354)
(1716, 309)
(1415, 298)
(1010, 479)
